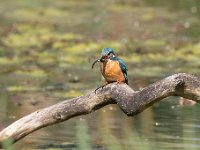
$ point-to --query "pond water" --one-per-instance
(46, 51)
(165, 126)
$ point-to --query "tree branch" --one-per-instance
(130, 101)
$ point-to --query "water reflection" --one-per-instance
(46, 50)
(162, 127)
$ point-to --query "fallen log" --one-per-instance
(131, 103)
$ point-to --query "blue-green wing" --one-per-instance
(123, 68)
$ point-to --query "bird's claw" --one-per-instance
(99, 88)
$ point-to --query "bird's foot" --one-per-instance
(100, 87)
(119, 82)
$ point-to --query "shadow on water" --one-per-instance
(46, 50)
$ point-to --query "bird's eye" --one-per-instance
(110, 54)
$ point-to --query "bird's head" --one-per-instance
(105, 55)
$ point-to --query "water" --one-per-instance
(46, 51)
(164, 126)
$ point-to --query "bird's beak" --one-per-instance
(102, 59)
(98, 60)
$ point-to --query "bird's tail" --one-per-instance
(126, 78)
(126, 81)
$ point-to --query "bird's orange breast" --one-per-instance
(112, 71)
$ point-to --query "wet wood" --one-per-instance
(131, 103)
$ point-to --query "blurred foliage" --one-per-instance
(48, 46)
(21, 88)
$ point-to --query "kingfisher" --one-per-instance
(112, 68)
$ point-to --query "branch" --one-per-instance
(131, 102)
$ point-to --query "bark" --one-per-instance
(131, 102)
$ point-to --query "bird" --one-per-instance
(112, 68)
